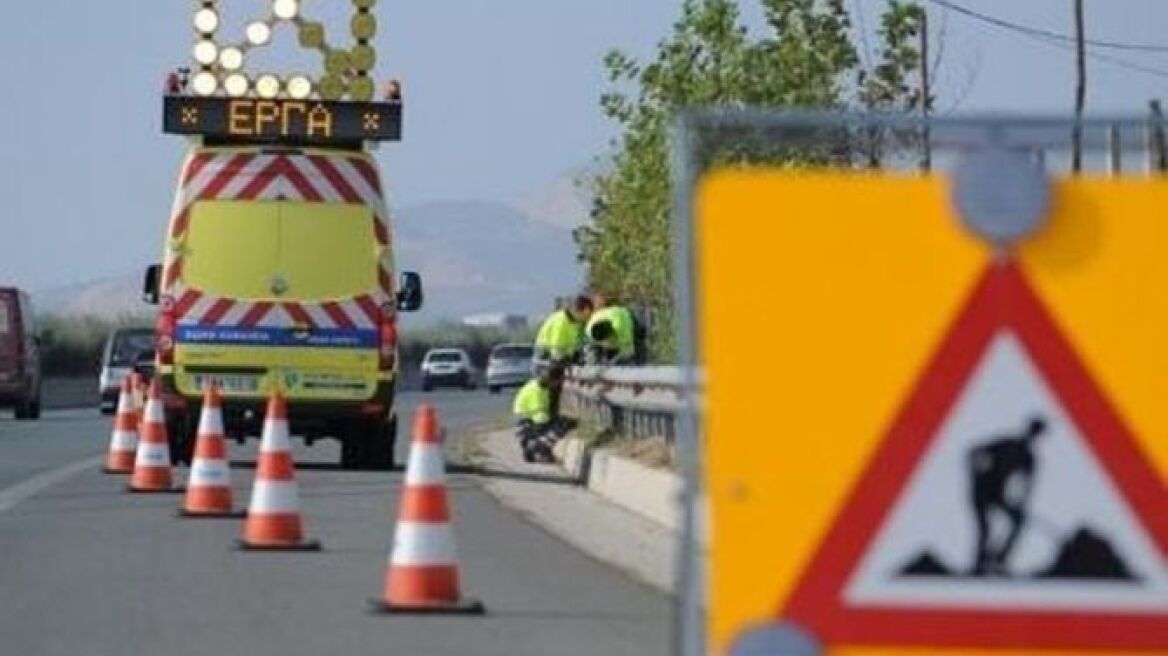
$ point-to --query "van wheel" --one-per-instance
(350, 450)
(354, 450)
(180, 432)
(34, 411)
(21, 411)
(380, 441)
(494, 389)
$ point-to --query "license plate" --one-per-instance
(238, 384)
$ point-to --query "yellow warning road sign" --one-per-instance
(916, 443)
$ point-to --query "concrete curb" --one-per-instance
(651, 493)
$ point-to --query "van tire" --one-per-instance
(180, 433)
(380, 442)
(350, 449)
(28, 409)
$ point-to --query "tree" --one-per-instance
(805, 59)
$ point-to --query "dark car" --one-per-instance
(20, 357)
(122, 351)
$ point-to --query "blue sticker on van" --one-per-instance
(321, 338)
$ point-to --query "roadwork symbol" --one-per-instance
(1009, 506)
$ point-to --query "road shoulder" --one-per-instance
(552, 499)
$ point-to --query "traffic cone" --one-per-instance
(422, 576)
(152, 463)
(273, 517)
(124, 440)
(138, 387)
(209, 483)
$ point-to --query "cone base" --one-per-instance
(461, 607)
(307, 545)
(216, 514)
(149, 490)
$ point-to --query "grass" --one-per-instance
(73, 346)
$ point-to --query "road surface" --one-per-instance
(88, 569)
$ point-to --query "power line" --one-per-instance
(1065, 42)
(1039, 32)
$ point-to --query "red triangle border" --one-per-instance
(1002, 299)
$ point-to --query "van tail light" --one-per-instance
(387, 344)
(164, 332)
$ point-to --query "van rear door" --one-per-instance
(285, 298)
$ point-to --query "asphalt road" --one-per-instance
(87, 569)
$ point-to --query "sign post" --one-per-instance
(934, 418)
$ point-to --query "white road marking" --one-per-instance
(13, 495)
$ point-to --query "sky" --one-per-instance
(501, 102)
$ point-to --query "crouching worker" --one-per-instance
(538, 430)
(612, 336)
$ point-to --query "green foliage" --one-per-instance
(73, 346)
(805, 59)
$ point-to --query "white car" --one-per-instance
(449, 367)
(120, 356)
(510, 365)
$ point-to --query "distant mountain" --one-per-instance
(110, 298)
(563, 203)
(474, 257)
(478, 257)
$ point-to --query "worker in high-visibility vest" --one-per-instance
(612, 332)
(560, 341)
(561, 336)
(533, 411)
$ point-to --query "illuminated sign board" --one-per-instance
(311, 122)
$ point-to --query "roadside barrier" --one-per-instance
(630, 401)
(152, 463)
(209, 483)
(123, 447)
(422, 574)
(273, 516)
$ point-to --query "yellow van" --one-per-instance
(278, 275)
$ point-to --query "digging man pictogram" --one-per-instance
(1001, 483)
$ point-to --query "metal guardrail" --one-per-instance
(631, 401)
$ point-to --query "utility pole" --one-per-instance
(1157, 144)
(926, 94)
(1080, 89)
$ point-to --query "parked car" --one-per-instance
(509, 365)
(20, 355)
(122, 351)
(449, 367)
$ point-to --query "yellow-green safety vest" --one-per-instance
(623, 339)
(559, 335)
(533, 402)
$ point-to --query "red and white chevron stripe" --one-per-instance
(248, 175)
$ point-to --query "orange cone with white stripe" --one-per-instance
(138, 393)
(123, 446)
(209, 484)
(273, 517)
(152, 462)
(423, 566)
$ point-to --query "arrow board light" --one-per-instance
(1008, 506)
